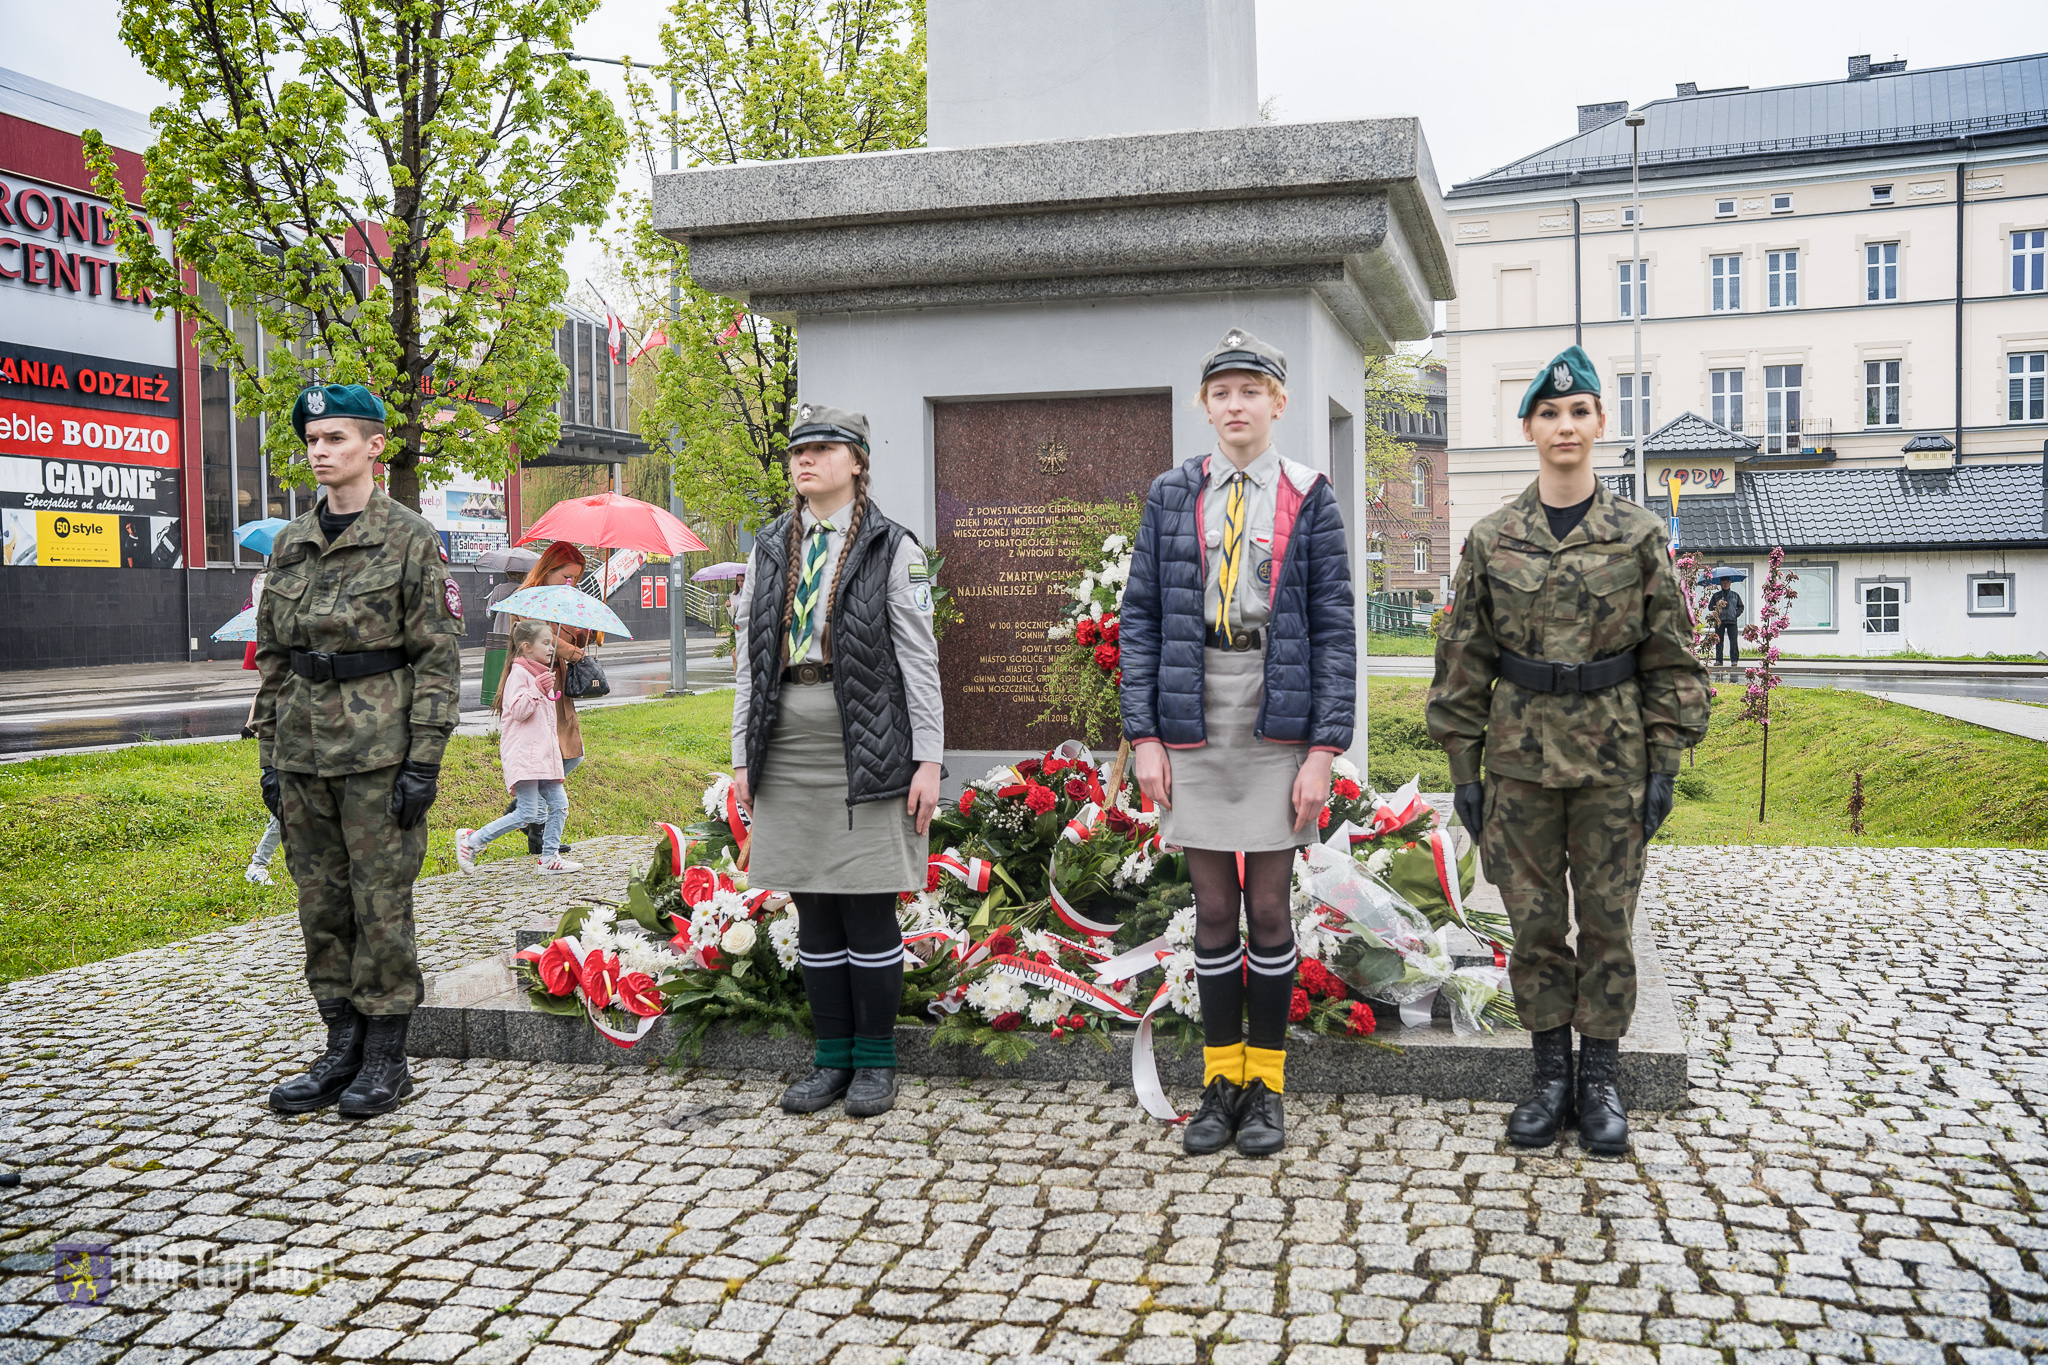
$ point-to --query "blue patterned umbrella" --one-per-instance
(260, 535)
(240, 629)
(566, 606)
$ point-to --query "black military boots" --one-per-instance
(335, 1067)
(1536, 1120)
(384, 1080)
(1603, 1121)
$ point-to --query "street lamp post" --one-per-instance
(678, 622)
(1638, 386)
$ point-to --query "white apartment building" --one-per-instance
(1831, 273)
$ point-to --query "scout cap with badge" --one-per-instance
(1240, 350)
(1570, 371)
(817, 424)
(335, 400)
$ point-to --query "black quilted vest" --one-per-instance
(873, 716)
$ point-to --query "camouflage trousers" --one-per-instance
(1534, 838)
(354, 868)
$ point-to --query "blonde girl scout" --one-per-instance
(837, 734)
(1239, 685)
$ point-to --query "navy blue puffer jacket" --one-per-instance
(1311, 693)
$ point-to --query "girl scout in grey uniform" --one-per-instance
(837, 733)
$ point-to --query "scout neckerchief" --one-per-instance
(1233, 533)
(801, 621)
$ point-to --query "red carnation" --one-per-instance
(698, 885)
(1106, 657)
(1361, 1022)
(1077, 790)
(1319, 980)
(1346, 788)
(1040, 799)
(1053, 767)
(1323, 820)
(967, 801)
(931, 876)
(1110, 629)
(1007, 1022)
(1119, 821)
(1086, 631)
(1116, 678)
(1297, 1006)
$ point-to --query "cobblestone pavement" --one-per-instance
(1856, 1178)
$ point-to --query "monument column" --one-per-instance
(1021, 308)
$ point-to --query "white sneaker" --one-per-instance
(559, 864)
(259, 874)
(465, 856)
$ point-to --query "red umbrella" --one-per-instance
(615, 522)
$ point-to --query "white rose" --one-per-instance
(1343, 767)
(1115, 545)
(739, 939)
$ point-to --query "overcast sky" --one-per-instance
(1491, 80)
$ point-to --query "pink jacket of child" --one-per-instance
(526, 732)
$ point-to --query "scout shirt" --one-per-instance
(1607, 588)
(910, 630)
(1253, 607)
(379, 585)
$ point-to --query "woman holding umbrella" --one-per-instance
(561, 565)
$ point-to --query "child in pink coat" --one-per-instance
(528, 749)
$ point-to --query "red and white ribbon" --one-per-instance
(1398, 810)
(678, 846)
(973, 872)
(1448, 878)
(1082, 825)
(1092, 954)
(1136, 962)
(1073, 918)
(1144, 1065)
(740, 823)
(1062, 982)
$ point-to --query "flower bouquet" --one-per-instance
(1085, 679)
(1404, 842)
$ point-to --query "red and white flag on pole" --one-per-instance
(656, 340)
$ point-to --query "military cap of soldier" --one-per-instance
(1566, 667)
(357, 640)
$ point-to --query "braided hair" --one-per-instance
(794, 553)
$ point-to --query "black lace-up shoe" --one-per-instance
(384, 1080)
(873, 1092)
(824, 1085)
(1261, 1126)
(1536, 1120)
(1215, 1123)
(1603, 1119)
(333, 1070)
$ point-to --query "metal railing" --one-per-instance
(1397, 613)
(1801, 436)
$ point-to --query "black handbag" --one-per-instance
(586, 678)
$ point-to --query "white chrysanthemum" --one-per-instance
(1045, 1009)
(1059, 632)
(1313, 939)
(1377, 863)
(1135, 871)
(1116, 544)
(1146, 817)
(1180, 930)
(995, 995)
(1182, 997)
(738, 939)
(1341, 766)
(714, 797)
(730, 905)
(1035, 942)
(639, 955)
(921, 912)
(782, 935)
(705, 924)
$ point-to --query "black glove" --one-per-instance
(1469, 801)
(1656, 803)
(273, 794)
(413, 790)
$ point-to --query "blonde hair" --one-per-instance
(1273, 386)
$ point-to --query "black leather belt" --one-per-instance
(1238, 642)
(1546, 675)
(807, 674)
(321, 666)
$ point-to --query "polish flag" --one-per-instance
(656, 339)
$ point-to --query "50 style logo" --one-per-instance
(65, 528)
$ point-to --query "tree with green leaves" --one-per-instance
(1393, 388)
(387, 187)
(754, 80)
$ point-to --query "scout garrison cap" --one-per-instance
(1240, 350)
(1569, 371)
(817, 424)
(335, 400)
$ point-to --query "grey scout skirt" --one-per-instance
(1235, 793)
(801, 839)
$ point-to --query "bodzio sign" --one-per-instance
(46, 429)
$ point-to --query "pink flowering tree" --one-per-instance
(1693, 582)
(1775, 614)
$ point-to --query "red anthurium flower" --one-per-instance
(726, 883)
(639, 994)
(557, 968)
(1040, 799)
(1015, 789)
(698, 885)
(599, 977)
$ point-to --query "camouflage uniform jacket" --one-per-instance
(1606, 588)
(380, 585)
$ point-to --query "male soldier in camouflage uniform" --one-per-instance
(357, 641)
(1567, 663)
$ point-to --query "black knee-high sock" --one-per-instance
(822, 953)
(874, 954)
(1219, 985)
(1269, 991)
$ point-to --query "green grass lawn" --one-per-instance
(101, 854)
(1928, 781)
(1402, 646)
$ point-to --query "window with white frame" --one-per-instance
(1880, 272)
(1812, 607)
(1726, 395)
(1881, 393)
(1418, 485)
(1628, 217)
(2030, 262)
(1725, 276)
(1422, 556)
(1784, 399)
(1880, 194)
(1990, 594)
(1781, 203)
(1881, 603)
(1781, 279)
(1635, 403)
(2026, 386)
(1724, 208)
(1633, 278)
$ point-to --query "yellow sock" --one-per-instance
(1266, 1064)
(1227, 1062)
